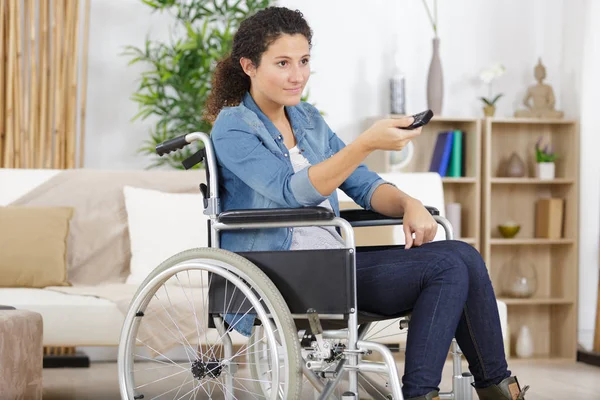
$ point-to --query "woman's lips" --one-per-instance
(294, 91)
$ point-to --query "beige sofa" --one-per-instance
(99, 251)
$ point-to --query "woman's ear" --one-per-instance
(248, 66)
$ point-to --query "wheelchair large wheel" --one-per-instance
(173, 346)
(259, 363)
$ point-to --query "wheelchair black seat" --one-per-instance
(307, 279)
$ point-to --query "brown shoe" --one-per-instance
(434, 395)
(508, 389)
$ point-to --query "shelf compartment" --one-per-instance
(468, 196)
(553, 266)
(550, 326)
(517, 203)
(425, 143)
(506, 139)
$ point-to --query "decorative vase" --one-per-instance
(435, 80)
(489, 111)
(524, 345)
(518, 279)
(509, 230)
(545, 170)
(453, 215)
(515, 167)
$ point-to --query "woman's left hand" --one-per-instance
(418, 221)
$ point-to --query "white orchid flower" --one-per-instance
(488, 75)
(499, 70)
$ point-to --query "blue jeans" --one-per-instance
(447, 287)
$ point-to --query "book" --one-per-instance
(440, 158)
(455, 168)
(463, 162)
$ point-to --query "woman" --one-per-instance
(275, 151)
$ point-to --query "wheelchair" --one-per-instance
(298, 308)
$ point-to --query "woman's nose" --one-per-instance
(297, 76)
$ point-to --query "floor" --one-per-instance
(549, 380)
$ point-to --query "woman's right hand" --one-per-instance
(387, 134)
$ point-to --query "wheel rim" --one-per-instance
(207, 366)
(260, 366)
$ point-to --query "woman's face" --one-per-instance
(283, 71)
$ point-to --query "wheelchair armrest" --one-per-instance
(360, 215)
(276, 215)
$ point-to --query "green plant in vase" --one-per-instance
(545, 158)
(488, 76)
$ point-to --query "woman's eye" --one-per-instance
(305, 61)
(282, 63)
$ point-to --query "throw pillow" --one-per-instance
(33, 246)
(161, 225)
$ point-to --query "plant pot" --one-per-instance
(545, 170)
(489, 111)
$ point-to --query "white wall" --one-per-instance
(586, 81)
(354, 43)
(354, 47)
(111, 139)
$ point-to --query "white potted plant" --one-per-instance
(488, 76)
(544, 157)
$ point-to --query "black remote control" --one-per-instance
(421, 119)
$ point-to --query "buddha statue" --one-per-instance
(539, 98)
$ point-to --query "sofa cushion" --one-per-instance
(98, 246)
(160, 226)
(33, 244)
(71, 319)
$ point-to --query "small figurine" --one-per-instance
(541, 96)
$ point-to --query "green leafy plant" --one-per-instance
(175, 86)
(545, 154)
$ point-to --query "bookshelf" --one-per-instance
(551, 313)
(488, 199)
(466, 189)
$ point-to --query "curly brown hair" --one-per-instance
(255, 34)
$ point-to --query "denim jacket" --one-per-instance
(255, 169)
(255, 172)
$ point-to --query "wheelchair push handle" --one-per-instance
(172, 144)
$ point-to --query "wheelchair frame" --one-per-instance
(352, 361)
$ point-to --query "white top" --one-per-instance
(312, 237)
